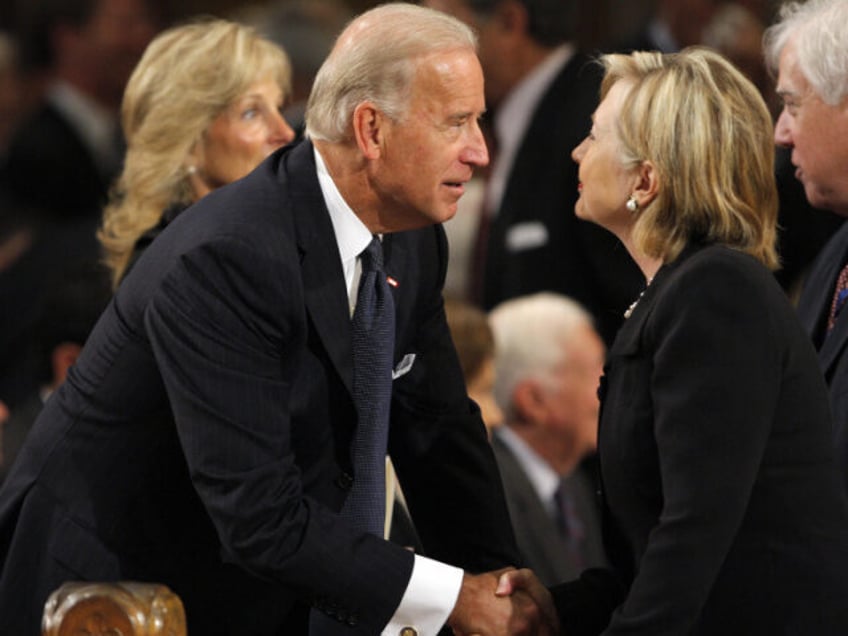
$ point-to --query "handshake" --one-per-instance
(503, 602)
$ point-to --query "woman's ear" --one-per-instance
(647, 184)
(194, 160)
(368, 129)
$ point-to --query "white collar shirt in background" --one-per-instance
(513, 118)
(96, 125)
(544, 479)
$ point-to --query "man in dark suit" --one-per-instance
(64, 157)
(541, 92)
(205, 437)
(548, 361)
(813, 126)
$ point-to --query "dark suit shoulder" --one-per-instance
(48, 165)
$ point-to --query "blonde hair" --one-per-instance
(708, 133)
(187, 76)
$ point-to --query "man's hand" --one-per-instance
(479, 610)
(524, 582)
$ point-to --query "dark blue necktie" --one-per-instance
(569, 523)
(373, 330)
(373, 345)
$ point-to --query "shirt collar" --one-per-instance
(95, 124)
(352, 235)
(543, 478)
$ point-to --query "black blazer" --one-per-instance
(722, 506)
(50, 167)
(572, 256)
(814, 309)
(203, 438)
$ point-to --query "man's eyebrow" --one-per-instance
(463, 116)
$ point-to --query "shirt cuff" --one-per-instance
(428, 600)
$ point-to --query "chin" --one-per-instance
(825, 201)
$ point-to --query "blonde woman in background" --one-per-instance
(201, 109)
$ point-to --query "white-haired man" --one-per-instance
(548, 363)
(809, 48)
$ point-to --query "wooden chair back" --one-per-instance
(113, 609)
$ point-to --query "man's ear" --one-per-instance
(647, 184)
(368, 129)
(512, 17)
(528, 399)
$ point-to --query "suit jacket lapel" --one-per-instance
(321, 268)
(814, 304)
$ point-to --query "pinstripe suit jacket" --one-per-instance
(202, 440)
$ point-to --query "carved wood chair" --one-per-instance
(113, 609)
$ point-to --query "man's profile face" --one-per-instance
(817, 134)
(429, 156)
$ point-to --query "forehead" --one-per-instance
(449, 79)
(263, 85)
(790, 79)
(610, 106)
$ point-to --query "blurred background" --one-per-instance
(604, 22)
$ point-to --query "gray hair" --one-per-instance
(530, 332)
(374, 59)
(819, 29)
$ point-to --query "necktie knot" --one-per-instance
(372, 256)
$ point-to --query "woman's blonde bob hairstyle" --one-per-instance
(707, 132)
(187, 76)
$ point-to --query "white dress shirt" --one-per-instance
(434, 586)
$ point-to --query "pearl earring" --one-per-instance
(632, 205)
(191, 169)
